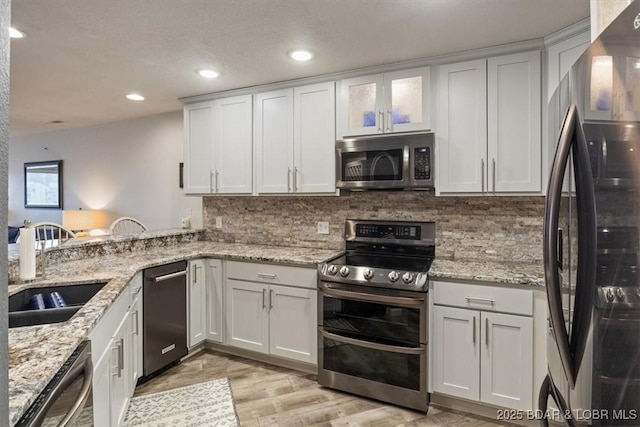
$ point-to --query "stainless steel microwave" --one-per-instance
(399, 161)
(614, 153)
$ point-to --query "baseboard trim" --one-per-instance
(272, 360)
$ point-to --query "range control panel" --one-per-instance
(388, 231)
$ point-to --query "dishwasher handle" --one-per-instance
(169, 276)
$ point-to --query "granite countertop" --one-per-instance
(37, 352)
(515, 273)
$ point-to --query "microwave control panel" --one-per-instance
(422, 158)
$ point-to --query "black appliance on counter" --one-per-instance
(372, 312)
(164, 316)
(591, 222)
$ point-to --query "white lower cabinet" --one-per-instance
(116, 344)
(197, 280)
(479, 354)
(215, 313)
(275, 319)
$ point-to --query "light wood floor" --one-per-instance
(267, 395)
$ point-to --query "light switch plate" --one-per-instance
(218, 222)
(323, 227)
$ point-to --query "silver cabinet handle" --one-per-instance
(120, 357)
(135, 323)
(474, 330)
(267, 275)
(270, 299)
(169, 276)
(195, 274)
(493, 171)
(486, 331)
(115, 353)
(482, 174)
(288, 179)
(216, 187)
(264, 293)
(295, 179)
(211, 182)
(388, 121)
(482, 300)
(381, 119)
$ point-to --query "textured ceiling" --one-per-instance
(80, 57)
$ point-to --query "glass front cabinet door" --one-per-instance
(613, 89)
(384, 103)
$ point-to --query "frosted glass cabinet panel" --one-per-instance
(613, 89)
(383, 103)
(362, 105)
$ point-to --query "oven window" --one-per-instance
(370, 321)
(402, 370)
(383, 165)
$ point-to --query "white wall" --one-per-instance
(129, 168)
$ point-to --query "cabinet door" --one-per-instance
(455, 349)
(360, 106)
(513, 117)
(293, 323)
(101, 389)
(314, 141)
(462, 127)
(198, 146)
(507, 360)
(214, 301)
(407, 100)
(629, 92)
(120, 374)
(233, 145)
(247, 315)
(135, 355)
(197, 301)
(274, 141)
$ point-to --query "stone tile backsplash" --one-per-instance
(484, 228)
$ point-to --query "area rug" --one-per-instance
(203, 404)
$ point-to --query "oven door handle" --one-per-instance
(372, 345)
(85, 369)
(361, 296)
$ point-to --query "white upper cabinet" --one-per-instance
(198, 147)
(462, 127)
(314, 123)
(233, 146)
(218, 146)
(488, 126)
(274, 141)
(613, 85)
(390, 102)
(295, 145)
(513, 123)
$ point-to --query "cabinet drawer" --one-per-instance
(271, 273)
(487, 298)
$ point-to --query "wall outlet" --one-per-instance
(323, 227)
(218, 222)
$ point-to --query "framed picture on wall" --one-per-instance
(43, 185)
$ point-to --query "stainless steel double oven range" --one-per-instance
(372, 312)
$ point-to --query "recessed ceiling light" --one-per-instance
(15, 34)
(208, 74)
(135, 97)
(301, 55)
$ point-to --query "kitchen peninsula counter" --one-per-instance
(37, 352)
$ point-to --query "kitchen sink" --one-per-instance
(21, 314)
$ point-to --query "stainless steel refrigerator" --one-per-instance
(591, 244)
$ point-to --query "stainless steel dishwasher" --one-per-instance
(164, 316)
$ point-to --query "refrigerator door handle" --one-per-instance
(550, 244)
(548, 389)
(587, 247)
